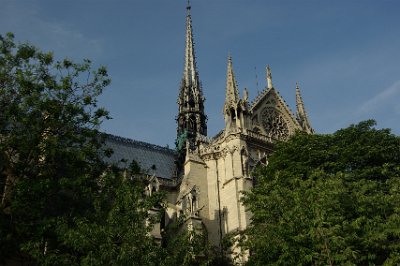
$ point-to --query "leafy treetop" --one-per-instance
(328, 200)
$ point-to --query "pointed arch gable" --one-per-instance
(273, 116)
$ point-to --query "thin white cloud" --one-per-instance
(66, 39)
(389, 98)
(29, 23)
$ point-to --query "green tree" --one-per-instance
(189, 247)
(117, 232)
(328, 200)
(60, 203)
(50, 147)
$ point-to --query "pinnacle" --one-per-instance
(269, 78)
(232, 92)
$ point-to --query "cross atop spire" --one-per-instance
(188, 5)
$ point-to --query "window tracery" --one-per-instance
(274, 123)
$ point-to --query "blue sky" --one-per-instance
(345, 54)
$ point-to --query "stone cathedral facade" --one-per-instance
(205, 176)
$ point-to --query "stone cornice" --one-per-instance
(217, 150)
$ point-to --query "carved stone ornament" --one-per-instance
(274, 123)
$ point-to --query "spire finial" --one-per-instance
(269, 78)
(188, 5)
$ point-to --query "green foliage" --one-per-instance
(50, 148)
(117, 232)
(189, 247)
(60, 203)
(328, 200)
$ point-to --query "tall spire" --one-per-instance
(191, 119)
(190, 75)
(232, 92)
(301, 112)
(269, 78)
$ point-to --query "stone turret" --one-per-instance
(235, 110)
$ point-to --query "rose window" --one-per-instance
(274, 123)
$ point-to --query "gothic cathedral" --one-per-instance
(204, 176)
(213, 172)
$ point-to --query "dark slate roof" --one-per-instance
(147, 155)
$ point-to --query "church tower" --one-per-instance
(191, 120)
